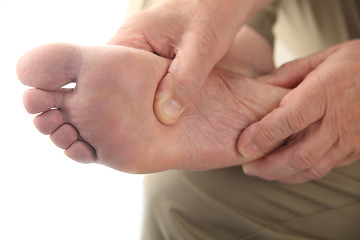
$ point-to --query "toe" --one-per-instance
(49, 121)
(81, 152)
(64, 136)
(36, 100)
(50, 67)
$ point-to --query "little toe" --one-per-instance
(50, 67)
(81, 152)
(49, 121)
(64, 136)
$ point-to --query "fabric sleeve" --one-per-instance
(264, 21)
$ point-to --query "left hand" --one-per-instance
(317, 125)
(195, 35)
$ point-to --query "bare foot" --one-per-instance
(108, 117)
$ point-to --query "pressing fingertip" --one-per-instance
(248, 170)
(167, 110)
(263, 78)
(171, 109)
(249, 151)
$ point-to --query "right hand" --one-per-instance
(195, 34)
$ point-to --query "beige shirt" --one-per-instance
(304, 26)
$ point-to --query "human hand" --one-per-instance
(195, 34)
(316, 126)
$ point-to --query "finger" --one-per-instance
(131, 33)
(183, 81)
(318, 171)
(298, 109)
(130, 39)
(290, 74)
(301, 153)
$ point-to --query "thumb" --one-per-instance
(130, 39)
(291, 74)
(184, 80)
(293, 115)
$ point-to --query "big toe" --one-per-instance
(50, 66)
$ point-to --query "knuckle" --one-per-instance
(317, 172)
(302, 159)
(184, 89)
(288, 66)
(206, 39)
(295, 65)
(268, 135)
(294, 121)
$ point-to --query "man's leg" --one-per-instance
(226, 204)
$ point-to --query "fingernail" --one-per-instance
(171, 109)
(248, 170)
(261, 79)
(249, 151)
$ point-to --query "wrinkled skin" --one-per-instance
(318, 120)
(195, 34)
(109, 118)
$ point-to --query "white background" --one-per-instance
(43, 194)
